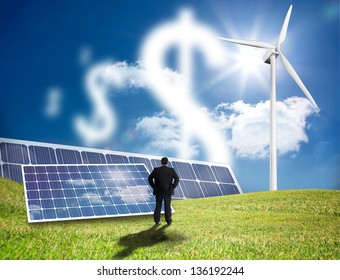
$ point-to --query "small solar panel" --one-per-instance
(68, 192)
(204, 180)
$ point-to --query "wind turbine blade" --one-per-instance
(284, 28)
(296, 78)
(252, 43)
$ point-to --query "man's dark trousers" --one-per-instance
(167, 208)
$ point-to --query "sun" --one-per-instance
(248, 63)
(245, 68)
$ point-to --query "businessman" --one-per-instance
(163, 180)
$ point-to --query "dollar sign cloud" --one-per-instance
(102, 123)
(188, 36)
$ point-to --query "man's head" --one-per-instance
(164, 161)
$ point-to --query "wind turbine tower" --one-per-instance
(270, 58)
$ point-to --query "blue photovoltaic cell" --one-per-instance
(229, 189)
(14, 153)
(116, 159)
(184, 170)
(13, 172)
(143, 161)
(211, 189)
(65, 156)
(203, 172)
(190, 189)
(64, 192)
(222, 174)
(91, 157)
(42, 155)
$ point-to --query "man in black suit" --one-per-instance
(163, 180)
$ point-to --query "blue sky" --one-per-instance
(61, 59)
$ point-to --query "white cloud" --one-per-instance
(244, 127)
(177, 96)
(99, 81)
(173, 90)
(124, 75)
(186, 124)
(162, 133)
(247, 126)
(85, 55)
(53, 103)
(102, 124)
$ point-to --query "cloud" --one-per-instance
(172, 90)
(177, 96)
(100, 127)
(245, 126)
(124, 75)
(53, 102)
(162, 134)
(185, 125)
(85, 56)
(100, 80)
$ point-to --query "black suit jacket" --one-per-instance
(163, 180)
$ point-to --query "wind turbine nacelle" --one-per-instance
(268, 54)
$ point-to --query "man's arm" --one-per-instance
(176, 180)
(151, 179)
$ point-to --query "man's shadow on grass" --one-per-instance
(145, 238)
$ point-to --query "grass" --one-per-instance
(299, 224)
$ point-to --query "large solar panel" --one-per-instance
(197, 178)
(68, 192)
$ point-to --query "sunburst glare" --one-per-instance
(249, 62)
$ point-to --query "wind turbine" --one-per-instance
(272, 53)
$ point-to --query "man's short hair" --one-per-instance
(164, 161)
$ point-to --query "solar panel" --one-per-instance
(197, 178)
(204, 180)
(68, 192)
(66, 156)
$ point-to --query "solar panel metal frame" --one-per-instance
(30, 220)
(149, 160)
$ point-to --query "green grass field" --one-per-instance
(300, 224)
